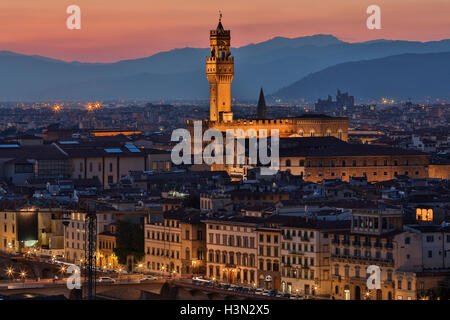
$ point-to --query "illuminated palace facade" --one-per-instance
(220, 73)
(325, 154)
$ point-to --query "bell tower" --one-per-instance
(220, 72)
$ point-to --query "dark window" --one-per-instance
(23, 168)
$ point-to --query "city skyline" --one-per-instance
(138, 29)
(118, 183)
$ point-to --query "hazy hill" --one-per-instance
(179, 73)
(401, 76)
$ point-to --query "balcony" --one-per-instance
(335, 241)
(346, 242)
(336, 277)
(389, 246)
(389, 283)
(378, 245)
(363, 259)
(358, 279)
(356, 243)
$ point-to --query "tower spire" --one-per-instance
(261, 109)
(219, 26)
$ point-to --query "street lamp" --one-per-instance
(10, 272)
(62, 270)
(315, 289)
(23, 275)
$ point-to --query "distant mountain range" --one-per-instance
(415, 76)
(179, 74)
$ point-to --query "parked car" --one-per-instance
(106, 280)
(272, 293)
(148, 278)
(265, 293)
(259, 291)
(287, 296)
(279, 295)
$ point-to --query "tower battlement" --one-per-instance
(225, 59)
(219, 32)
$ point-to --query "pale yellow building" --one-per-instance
(232, 251)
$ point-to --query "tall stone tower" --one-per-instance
(220, 72)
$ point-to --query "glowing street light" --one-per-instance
(9, 272)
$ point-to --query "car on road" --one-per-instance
(106, 280)
(265, 293)
(224, 286)
(272, 293)
(148, 278)
(259, 291)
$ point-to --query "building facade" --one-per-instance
(232, 251)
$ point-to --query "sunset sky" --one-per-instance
(113, 30)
